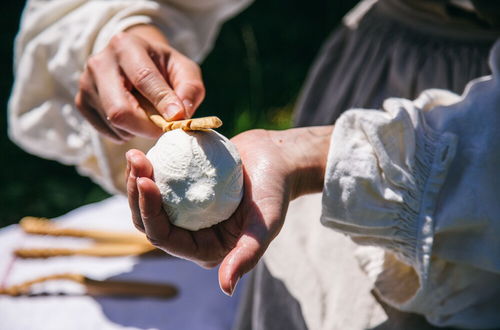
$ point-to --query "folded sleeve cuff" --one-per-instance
(384, 172)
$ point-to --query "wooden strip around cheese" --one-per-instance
(193, 124)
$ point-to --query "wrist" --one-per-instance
(148, 32)
(306, 153)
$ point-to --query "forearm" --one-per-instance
(306, 150)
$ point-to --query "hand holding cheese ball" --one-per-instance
(278, 166)
(199, 176)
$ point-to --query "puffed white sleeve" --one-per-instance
(419, 180)
(53, 44)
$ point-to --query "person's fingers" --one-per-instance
(239, 261)
(187, 82)
(138, 166)
(122, 133)
(157, 227)
(93, 117)
(145, 76)
(120, 107)
(147, 214)
(259, 224)
(154, 219)
(87, 102)
(127, 171)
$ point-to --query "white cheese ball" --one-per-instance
(199, 176)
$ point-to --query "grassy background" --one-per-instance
(252, 78)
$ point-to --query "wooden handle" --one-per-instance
(129, 288)
(41, 226)
(96, 250)
(99, 288)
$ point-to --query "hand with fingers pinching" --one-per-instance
(138, 69)
(277, 167)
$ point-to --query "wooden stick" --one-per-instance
(98, 288)
(96, 250)
(41, 226)
(193, 124)
(24, 288)
(129, 288)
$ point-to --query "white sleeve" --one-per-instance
(420, 180)
(56, 38)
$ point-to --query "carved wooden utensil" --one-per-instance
(99, 288)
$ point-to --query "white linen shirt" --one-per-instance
(55, 40)
(421, 180)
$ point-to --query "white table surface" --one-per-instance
(199, 305)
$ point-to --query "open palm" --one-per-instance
(241, 240)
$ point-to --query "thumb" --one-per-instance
(238, 262)
(187, 82)
(169, 105)
(192, 94)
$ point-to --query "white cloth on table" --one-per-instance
(200, 303)
(55, 40)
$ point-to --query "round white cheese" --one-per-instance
(199, 175)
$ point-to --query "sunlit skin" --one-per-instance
(278, 167)
(137, 65)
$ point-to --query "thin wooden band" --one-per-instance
(96, 250)
(24, 288)
(41, 226)
(193, 124)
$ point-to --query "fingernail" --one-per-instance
(128, 155)
(187, 104)
(172, 110)
(127, 169)
(130, 161)
(138, 182)
(233, 284)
